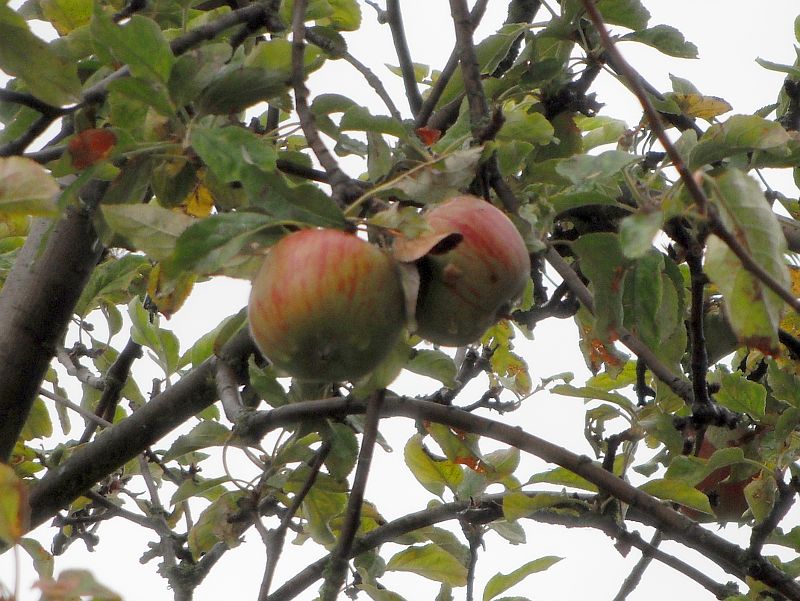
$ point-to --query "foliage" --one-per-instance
(189, 146)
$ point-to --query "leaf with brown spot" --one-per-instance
(91, 146)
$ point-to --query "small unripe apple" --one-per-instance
(468, 288)
(326, 305)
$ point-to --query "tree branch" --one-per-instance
(274, 542)
(635, 577)
(113, 382)
(47, 280)
(337, 567)
(727, 555)
(489, 509)
(395, 20)
(435, 93)
(343, 187)
(123, 441)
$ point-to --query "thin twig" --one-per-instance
(274, 540)
(116, 510)
(90, 416)
(343, 187)
(113, 382)
(470, 69)
(337, 568)
(395, 20)
(375, 83)
(76, 370)
(635, 577)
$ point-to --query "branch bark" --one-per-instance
(36, 304)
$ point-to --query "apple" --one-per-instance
(326, 305)
(725, 486)
(466, 289)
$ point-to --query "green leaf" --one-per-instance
(588, 392)
(149, 228)
(679, 492)
(563, 477)
(526, 125)
(229, 152)
(304, 203)
(54, 78)
(139, 43)
(644, 292)
(502, 582)
(600, 130)
(199, 487)
(145, 91)
(584, 170)
(518, 505)
(358, 118)
(604, 264)
(163, 343)
(739, 134)
(784, 386)
(344, 449)
(346, 15)
(37, 424)
(433, 475)
(490, 52)
(110, 282)
(739, 394)
(432, 562)
(628, 13)
(436, 181)
(206, 245)
(43, 561)
(26, 188)
(753, 310)
(203, 435)
(780, 68)
(213, 525)
(434, 364)
(379, 594)
(637, 232)
(665, 39)
(67, 15)
(760, 495)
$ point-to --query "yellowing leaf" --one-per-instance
(430, 561)
(26, 188)
(167, 293)
(699, 106)
(13, 505)
(199, 202)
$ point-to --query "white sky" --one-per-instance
(730, 35)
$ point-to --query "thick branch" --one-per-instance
(36, 304)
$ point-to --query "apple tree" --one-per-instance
(150, 146)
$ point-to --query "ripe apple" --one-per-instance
(468, 288)
(724, 486)
(326, 305)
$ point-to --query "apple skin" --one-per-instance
(467, 289)
(727, 497)
(326, 305)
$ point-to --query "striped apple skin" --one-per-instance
(466, 290)
(326, 305)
